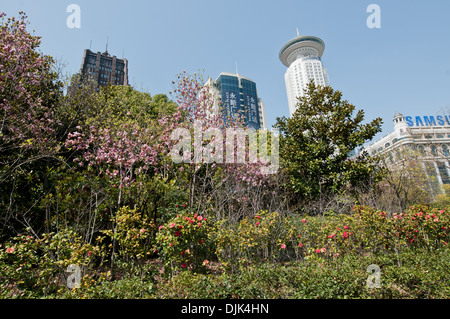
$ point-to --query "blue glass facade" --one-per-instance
(239, 96)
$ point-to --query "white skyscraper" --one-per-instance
(302, 55)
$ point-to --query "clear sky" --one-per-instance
(403, 66)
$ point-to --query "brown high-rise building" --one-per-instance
(101, 68)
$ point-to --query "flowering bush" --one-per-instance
(370, 231)
(183, 243)
(420, 226)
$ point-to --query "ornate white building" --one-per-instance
(302, 55)
(428, 135)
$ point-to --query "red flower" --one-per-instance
(199, 224)
(172, 225)
(257, 223)
(300, 245)
(200, 241)
(303, 221)
(345, 235)
(89, 253)
(283, 246)
(177, 234)
(199, 218)
(10, 250)
(258, 217)
(318, 251)
(346, 227)
(183, 265)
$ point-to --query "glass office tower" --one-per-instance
(238, 95)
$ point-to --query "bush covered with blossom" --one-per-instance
(183, 242)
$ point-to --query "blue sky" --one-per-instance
(403, 66)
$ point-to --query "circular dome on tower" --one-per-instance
(303, 46)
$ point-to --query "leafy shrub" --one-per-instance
(253, 240)
(132, 233)
(32, 267)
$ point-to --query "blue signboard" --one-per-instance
(438, 120)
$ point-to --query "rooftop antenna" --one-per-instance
(107, 40)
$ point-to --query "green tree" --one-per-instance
(316, 143)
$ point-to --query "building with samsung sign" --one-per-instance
(429, 135)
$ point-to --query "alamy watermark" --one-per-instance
(374, 280)
(374, 19)
(74, 280)
(73, 21)
(235, 151)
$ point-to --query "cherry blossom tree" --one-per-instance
(30, 129)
